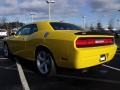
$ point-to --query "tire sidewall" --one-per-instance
(52, 69)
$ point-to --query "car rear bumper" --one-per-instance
(88, 57)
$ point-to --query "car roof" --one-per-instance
(42, 25)
(48, 22)
(42, 22)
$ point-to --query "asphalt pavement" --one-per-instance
(9, 78)
(96, 78)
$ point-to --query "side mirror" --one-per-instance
(12, 34)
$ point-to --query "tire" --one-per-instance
(45, 63)
(6, 51)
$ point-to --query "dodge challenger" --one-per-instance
(60, 44)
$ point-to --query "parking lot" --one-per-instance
(105, 77)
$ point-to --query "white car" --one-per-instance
(3, 34)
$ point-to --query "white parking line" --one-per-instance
(3, 58)
(22, 76)
(3, 67)
(90, 79)
(6, 68)
(12, 68)
(94, 79)
(114, 68)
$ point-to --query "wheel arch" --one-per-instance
(42, 47)
(4, 42)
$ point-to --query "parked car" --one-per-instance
(117, 40)
(3, 34)
(60, 44)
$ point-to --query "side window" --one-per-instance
(64, 26)
(27, 30)
(24, 30)
(33, 28)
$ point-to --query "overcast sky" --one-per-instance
(67, 10)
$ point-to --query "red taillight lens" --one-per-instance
(89, 42)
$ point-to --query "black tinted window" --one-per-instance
(64, 26)
(23, 31)
(27, 30)
(33, 28)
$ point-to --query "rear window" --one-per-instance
(64, 26)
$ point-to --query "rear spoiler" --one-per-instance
(95, 33)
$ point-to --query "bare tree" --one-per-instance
(111, 24)
(5, 24)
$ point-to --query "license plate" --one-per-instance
(102, 58)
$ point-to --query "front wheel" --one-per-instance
(45, 63)
(6, 51)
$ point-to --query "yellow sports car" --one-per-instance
(60, 44)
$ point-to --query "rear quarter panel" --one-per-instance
(62, 45)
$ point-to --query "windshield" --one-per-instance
(64, 26)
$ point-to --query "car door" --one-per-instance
(17, 43)
(30, 42)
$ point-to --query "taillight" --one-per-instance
(91, 42)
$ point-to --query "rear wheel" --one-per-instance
(45, 63)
